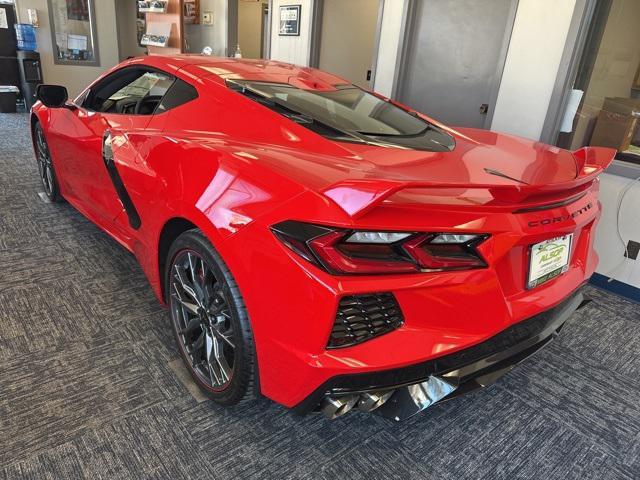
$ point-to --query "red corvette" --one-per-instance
(317, 243)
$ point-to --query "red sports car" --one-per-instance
(318, 243)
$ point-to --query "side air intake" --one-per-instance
(363, 317)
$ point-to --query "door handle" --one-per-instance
(484, 108)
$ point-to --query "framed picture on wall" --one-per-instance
(73, 32)
(289, 20)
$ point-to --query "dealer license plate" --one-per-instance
(549, 259)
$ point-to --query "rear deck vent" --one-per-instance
(362, 317)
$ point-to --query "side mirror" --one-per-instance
(52, 96)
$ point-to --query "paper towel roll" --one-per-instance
(570, 112)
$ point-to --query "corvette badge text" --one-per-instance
(562, 218)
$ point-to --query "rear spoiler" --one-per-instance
(357, 197)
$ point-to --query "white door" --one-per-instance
(454, 60)
(347, 38)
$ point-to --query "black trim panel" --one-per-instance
(121, 190)
(521, 333)
(178, 94)
(549, 206)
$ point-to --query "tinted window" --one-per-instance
(178, 94)
(129, 91)
(348, 113)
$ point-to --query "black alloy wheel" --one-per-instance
(45, 165)
(209, 319)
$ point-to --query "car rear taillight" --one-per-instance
(434, 255)
(345, 251)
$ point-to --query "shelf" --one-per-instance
(154, 6)
(176, 13)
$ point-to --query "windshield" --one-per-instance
(348, 113)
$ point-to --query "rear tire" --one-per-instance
(45, 165)
(210, 320)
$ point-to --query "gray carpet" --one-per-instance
(88, 388)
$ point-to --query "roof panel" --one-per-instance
(247, 69)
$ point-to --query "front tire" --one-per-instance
(210, 320)
(45, 165)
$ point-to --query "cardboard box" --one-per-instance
(617, 123)
(622, 105)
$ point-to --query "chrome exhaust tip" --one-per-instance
(371, 400)
(334, 407)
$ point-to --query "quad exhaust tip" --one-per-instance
(335, 406)
(398, 403)
(371, 400)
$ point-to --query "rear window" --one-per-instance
(348, 113)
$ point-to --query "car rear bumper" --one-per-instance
(294, 305)
(410, 389)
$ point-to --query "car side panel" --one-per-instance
(176, 177)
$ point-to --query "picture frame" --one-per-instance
(73, 32)
(289, 20)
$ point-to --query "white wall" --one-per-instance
(75, 78)
(608, 245)
(537, 42)
(294, 50)
(390, 33)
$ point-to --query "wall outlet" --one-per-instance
(633, 248)
(207, 18)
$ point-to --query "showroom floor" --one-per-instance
(88, 382)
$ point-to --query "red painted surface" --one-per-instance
(235, 168)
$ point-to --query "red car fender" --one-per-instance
(171, 178)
